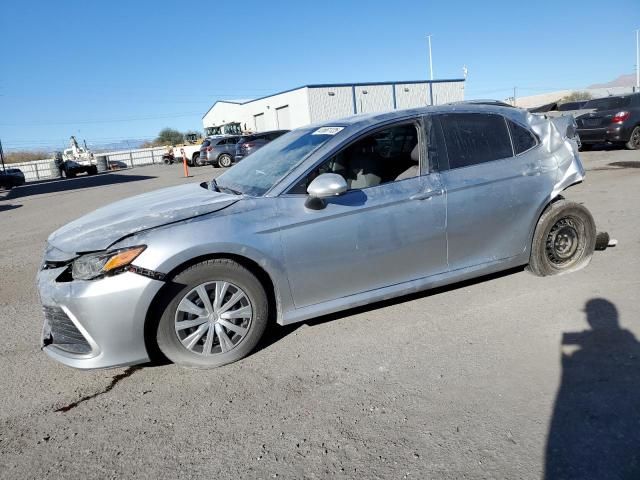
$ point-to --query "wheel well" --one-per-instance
(164, 296)
(546, 207)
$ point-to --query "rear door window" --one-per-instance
(522, 138)
(474, 138)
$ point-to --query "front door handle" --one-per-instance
(426, 195)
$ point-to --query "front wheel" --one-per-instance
(634, 140)
(217, 315)
(225, 160)
(564, 239)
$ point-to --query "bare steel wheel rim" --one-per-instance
(213, 318)
(563, 243)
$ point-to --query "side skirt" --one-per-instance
(405, 288)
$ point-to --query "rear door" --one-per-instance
(493, 195)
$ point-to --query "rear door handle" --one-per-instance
(426, 195)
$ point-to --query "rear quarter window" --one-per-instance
(522, 138)
(475, 138)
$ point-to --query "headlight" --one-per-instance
(93, 265)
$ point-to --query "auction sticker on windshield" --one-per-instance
(327, 130)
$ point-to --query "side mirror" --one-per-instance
(325, 186)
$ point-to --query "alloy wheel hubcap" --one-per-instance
(213, 318)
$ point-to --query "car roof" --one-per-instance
(364, 119)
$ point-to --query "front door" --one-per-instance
(388, 228)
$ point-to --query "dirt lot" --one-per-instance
(463, 382)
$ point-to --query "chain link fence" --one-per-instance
(46, 169)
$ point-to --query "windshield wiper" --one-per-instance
(235, 192)
(214, 185)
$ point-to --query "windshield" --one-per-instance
(261, 170)
(607, 103)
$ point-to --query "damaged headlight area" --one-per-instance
(99, 264)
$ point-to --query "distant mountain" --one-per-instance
(627, 80)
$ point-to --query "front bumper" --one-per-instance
(109, 314)
(611, 134)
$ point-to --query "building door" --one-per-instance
(283, 117)
(259, 122)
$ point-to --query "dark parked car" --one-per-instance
(614, 120)
(219, 151)
(253, 142)
(11, 177)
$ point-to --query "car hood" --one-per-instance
(101, 228)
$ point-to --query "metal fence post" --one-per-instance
(153, 158)
(37, 173)
(131, 158)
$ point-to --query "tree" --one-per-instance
(576, 96)
(169, 136)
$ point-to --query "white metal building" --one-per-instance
(315, 103)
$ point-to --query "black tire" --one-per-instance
(195, 159)
(167, 161)
(585, 147)
(634, 140)
(71, 174)
(225, 160)
(564, 239)
(208, 271)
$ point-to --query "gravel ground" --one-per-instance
(462, 382)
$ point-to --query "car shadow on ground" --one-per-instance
(63, 185)
(595, 428)
(275, 333)
(8, 206)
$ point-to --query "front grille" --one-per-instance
(62, 332)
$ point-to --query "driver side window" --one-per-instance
(385, 156)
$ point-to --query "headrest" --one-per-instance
(415, 153)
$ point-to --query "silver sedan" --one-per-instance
(324, 218)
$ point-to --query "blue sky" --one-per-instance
(107, 71)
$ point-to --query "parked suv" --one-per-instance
(613, 120)
(219, 151)
(251, 143)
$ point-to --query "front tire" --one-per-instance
(217, 315)
(634, 140)
(225, 160)
(564, 240)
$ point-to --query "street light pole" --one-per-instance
(430, 58)
(637, 60)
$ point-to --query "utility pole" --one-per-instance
(430, 58)
(514, 96)
(637, 60)
(2, 157)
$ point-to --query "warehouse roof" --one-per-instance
(329, 85)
